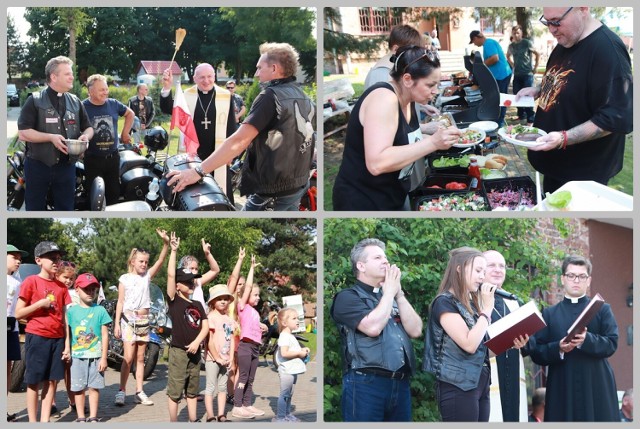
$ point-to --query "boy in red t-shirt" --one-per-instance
(42, 302)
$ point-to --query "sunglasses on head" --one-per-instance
(429, 55)
(68, 264)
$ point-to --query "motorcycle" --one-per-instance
(159, 334)
(141, 179)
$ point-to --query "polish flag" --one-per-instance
(181, 117)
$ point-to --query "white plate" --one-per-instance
(486, 126)
(511, 140)
(480, 139)
(592, 196)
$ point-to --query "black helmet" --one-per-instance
(156, 138)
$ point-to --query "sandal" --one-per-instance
(93, 420)
(211, 419)
(223, 419)
(11, 417)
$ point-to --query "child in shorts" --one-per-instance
(43, 301)
(66, 275)
(132, 316)
(14, 258)
(87, 345)
(190, 328)
(221, 346)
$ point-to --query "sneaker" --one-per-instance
(255, 411)
(242, 413)
(120, 398)
(276, 419)
(143, 399)
(291, 418)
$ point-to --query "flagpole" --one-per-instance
(180, 35)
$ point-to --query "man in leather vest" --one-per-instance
(277, 133)
(45, 121)
(376, 324)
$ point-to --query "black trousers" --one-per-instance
(456, 405)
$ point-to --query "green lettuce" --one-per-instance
(559, 199)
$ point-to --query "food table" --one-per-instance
(508, 179)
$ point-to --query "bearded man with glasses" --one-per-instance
(585, 101)
(580, 382)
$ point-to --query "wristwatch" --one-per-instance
(200, 172)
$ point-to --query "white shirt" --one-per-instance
(136, 291)
(289, 366)
(13, 291)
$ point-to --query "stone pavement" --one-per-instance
(266, 389)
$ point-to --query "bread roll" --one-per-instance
(494, 165)
(499, 158)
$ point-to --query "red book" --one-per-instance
(525, 320)
(585, 317)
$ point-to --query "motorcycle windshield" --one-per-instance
(157, 297)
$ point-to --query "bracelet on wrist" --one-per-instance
(486, 317)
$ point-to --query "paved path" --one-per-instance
(266, 390)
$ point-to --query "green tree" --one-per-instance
(420, 248)
(26, 233)
(254, 26)
(287, 252)
(15, 50)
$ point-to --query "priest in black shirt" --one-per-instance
(585, 101)
(210, 106)
(580, 382)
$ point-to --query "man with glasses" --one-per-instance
(42, 302)
(239, 108)
(496, 61)
(508, 392)
(585, 101)
(580, 382)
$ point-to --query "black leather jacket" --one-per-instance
(148, 107)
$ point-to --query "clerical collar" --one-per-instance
(53, 93)
(369, 288)
(573, 299)
(275, 82)
(213, 90)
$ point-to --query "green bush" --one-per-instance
(420, 248)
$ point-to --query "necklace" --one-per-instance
(206, 121)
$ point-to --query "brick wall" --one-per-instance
(577, 243)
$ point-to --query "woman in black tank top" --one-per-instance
(384, 140)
